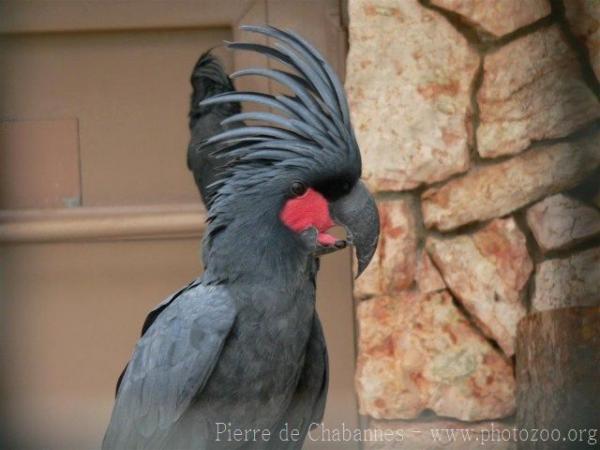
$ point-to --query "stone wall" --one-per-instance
(479, 128)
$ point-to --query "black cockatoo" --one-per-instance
(241, 348)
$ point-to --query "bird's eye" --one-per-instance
(346, 187)
(298, 188)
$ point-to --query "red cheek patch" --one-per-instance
(306, 211)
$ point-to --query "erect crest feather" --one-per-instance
(310, 128)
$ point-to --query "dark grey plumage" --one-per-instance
(208, 79)
(243, 344)
(314, 129)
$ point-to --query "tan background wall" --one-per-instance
(99, 216)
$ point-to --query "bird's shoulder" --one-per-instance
(171, 364)
(199, 303)
(206, 301)
(193, 324)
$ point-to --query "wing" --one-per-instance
(150, 318)
(170, 365)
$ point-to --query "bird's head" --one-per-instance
(298, 166)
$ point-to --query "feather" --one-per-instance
(307, 128)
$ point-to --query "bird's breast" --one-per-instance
(258, 371)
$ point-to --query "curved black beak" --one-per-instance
(357, 213)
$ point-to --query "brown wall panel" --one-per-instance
(39, 164)
(43, 16)
(129, 92)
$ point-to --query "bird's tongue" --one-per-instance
(326, 239)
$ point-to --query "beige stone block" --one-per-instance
(532, 90)
(418, 351)
(408, 80)
(427, 276)
(497, 17)
(498, 189)
(394, 263)
(487, 271)
(571, 281)
(560, 221)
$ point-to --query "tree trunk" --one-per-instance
(558, 379)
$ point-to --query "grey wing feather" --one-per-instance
(150, 318)
(169, 367)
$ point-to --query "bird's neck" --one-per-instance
(258, 251)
